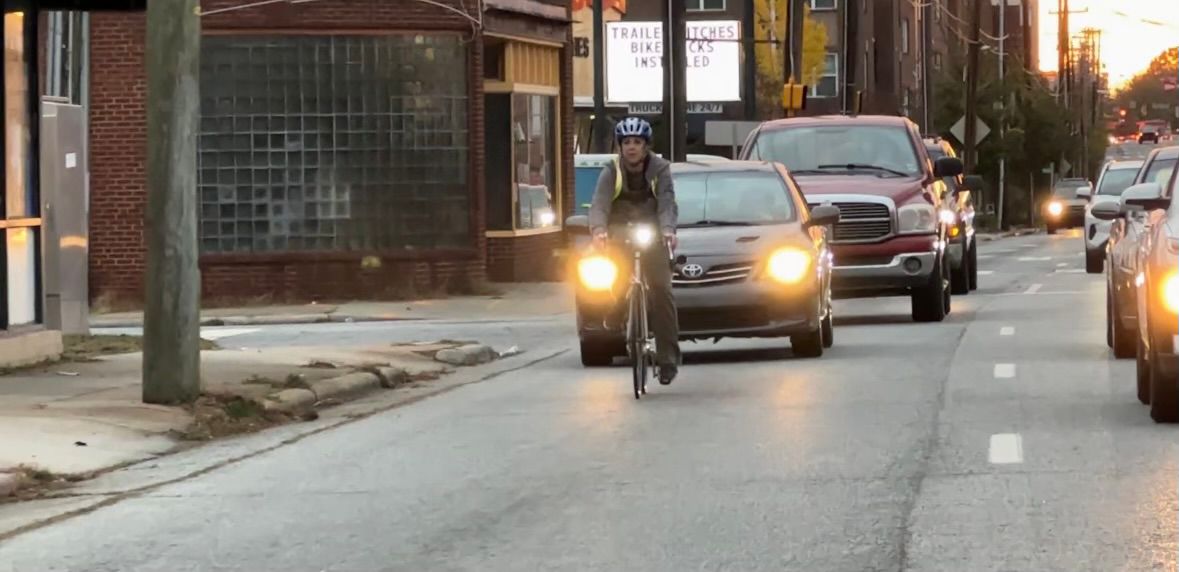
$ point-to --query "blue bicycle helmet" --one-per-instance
(633, 127)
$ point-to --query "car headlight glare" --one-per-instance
(597, 273)
(916, 219)
(788, 265)
(948, 217)
(1055, 208)
(1171, 293)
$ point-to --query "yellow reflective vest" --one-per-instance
(618, 180)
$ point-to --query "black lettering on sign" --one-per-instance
(698, 61)
(647, 62)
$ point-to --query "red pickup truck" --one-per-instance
(892, 232)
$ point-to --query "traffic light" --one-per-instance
(794, 96)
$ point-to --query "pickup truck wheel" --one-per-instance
(1094, 261)
(960, 277)
(1164, 392)
(597, 354)
(808, 345)
(1122, 340)
(929, 302)
(973, 265)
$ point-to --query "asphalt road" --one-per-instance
(1004, 439)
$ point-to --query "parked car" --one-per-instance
(1066, 208)
(1155, 285)
(959, 214)
(890, 239)
(752, 262)
(1125, 242)
(587, 167)
(1115, 178)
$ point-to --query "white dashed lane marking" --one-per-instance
(1005, 449)
(1004, 370)
(1007, 331)
(1033, 288)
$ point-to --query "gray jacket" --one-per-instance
(658, 170)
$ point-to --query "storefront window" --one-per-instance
(313, 143)
(20, 252)
(534, 134)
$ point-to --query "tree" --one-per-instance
(1146, 95)
(770, 25)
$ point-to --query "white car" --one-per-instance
(1116, 177)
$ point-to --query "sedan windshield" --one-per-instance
(732, 198)
(1116, 181)
(879, 150)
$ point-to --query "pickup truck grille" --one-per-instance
(861, 222)
(715, 276)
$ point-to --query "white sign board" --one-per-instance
(634, 61)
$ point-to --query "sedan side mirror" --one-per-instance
(824, 215)
(947, 167)
(1107, 211)
(1144, 196)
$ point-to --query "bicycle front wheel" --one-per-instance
(636, 339)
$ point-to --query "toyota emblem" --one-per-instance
(692, 271)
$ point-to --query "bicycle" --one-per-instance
(640, 339)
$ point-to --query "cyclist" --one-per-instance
(637, 188)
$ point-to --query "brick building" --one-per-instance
(348, 148)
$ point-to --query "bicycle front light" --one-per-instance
(643, 236)
(948, 217)
(788, 265)
(1171, 293)
(1055, 208)
(597, 273)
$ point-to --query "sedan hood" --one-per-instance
(900, 190)
(738, 240)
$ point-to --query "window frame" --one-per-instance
(906, 36)
(698, 6)
(555, 200)
(829, 56)
(816, 8)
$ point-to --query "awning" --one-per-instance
(92, 5)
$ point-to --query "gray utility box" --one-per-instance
(65, 209)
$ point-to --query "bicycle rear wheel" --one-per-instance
(636, 339)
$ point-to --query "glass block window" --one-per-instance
(314, 143)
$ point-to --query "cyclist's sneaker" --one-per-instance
(667, 374)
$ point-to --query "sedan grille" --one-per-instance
(715, 276)
(861, 222)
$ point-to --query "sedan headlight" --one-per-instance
(1055, 208)
(788, 265)
(597, 273)
(917, 219)
(1171, 293)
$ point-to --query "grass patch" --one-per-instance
(82, 348)
(216, 416)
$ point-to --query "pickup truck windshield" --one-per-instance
(814, 149)
(1116, 181)
(731, 198)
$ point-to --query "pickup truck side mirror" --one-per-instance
(1107, 211)
(947, 167)
(1144, 196)
(824, 215)
(974, 183)
(577, 224)
(1084, 192)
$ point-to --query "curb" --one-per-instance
(277, 320)
(344, 387)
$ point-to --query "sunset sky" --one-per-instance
(1128, 43)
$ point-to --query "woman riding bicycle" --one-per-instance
(637, 188)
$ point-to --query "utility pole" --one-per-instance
(600, 127)
(794, 25)
(851, 11)
(171, 328)
(749, 32)
(1003, 111)
(970, 148)
(926, 10)
(679, 115)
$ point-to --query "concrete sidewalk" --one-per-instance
(516, 301)
(71, 420)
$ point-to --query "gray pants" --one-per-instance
(661, 310)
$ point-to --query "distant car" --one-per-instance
(1153, 274)
(963, 248)
(588, 166)
(1148, 136)
(890, 239)
(752, 262)
(1066, 207)
(1115, 178)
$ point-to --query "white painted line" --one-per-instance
(1061, 264)
(1029, 246)
(1004, 370)
(1033, 288)
(985, 256)
(985, 272)
(219, 333)
(1035, 258)
(1007, 331)
(1070, 271)
(1006, 449)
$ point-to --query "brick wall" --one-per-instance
(525, 258)
(118, 152)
